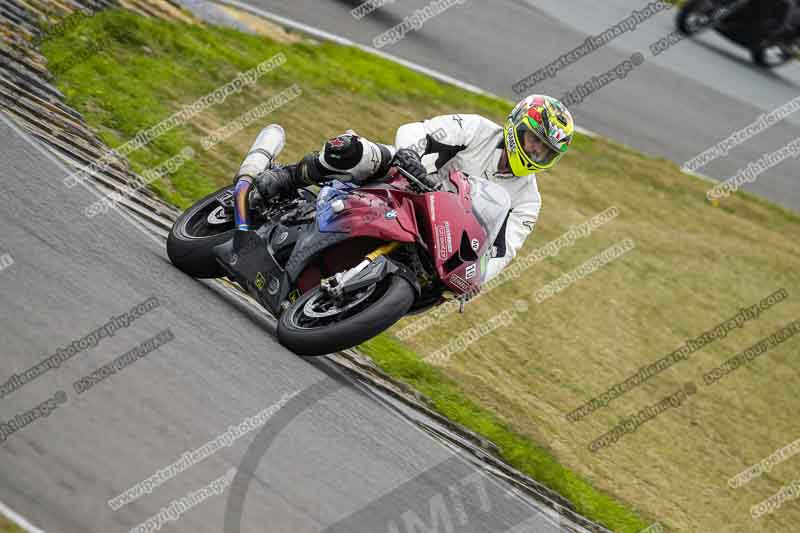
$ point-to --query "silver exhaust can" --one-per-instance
(262, 154)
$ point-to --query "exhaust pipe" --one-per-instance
(261, 156)
(265, 149)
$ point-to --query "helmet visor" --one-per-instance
(536, 148)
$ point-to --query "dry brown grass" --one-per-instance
(693, 266)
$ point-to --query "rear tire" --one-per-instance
(387, 307)
(192, 239)
(687, 17)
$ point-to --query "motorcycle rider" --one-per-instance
(791, 21)
(780, 18)
(500, 162)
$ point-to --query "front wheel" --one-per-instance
(317, 324)
(771, 56)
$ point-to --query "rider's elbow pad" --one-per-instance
(356, 156)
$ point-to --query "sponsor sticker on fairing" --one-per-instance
(471, 270)
(459, 282)
(441, 241)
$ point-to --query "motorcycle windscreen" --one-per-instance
(490, 204)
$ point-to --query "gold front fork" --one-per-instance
(382, 250)
(333, 285)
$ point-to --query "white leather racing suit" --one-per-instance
(472, 144)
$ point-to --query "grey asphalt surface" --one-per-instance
(341, 462)
(675, 105)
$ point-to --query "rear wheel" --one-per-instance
(317, 324)
(198, 230)
(696, 16)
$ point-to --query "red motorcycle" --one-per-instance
(341, 266)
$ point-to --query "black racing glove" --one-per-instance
(276, 181)
(410, 161)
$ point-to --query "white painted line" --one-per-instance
(18, 519)
(701, 176)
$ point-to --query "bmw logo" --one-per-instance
(273, 286)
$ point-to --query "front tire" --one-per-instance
(308, 335)
(192, 238)
(769, 57)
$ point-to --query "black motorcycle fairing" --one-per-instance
(283, 241)
(248, 260)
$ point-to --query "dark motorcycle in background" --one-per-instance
(338, 267)
(746, 22)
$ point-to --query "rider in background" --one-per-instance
(535, 136)
(791, 21)
(780, 18)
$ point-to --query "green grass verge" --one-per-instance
(693, 266)
(8, 527)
